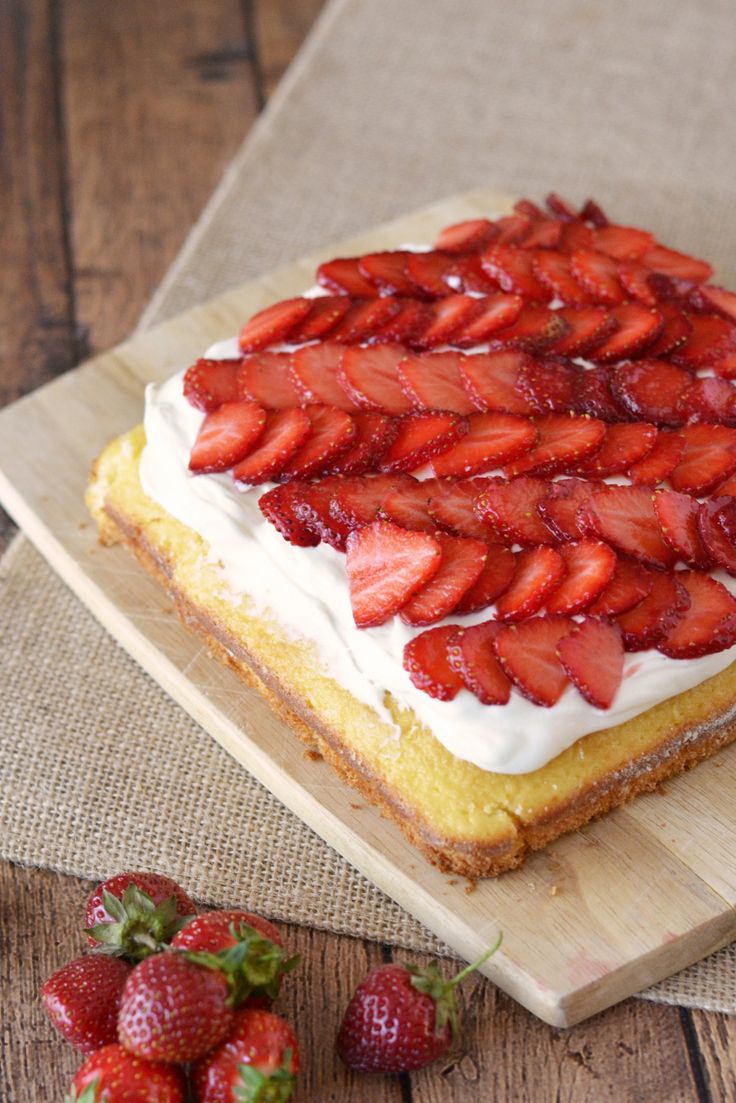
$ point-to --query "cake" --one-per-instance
(466, 515)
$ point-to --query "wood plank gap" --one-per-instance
(694, 1056)
(79, 335)
(251, 38)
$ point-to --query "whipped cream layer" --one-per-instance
(306, 592)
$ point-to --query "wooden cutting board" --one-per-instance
(598, 916)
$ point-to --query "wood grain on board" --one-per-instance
(635, 1051)
(625, 901)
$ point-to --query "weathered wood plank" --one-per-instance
(713, 1039)
(157, 97)
(280, 26)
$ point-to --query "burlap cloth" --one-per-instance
(391, 104)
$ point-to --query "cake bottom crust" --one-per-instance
(472, 857)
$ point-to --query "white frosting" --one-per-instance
(306, 591)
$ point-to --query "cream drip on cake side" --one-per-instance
(306, 591)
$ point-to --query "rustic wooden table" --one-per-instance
(97, 191)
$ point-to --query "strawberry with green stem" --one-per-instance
(256, 1064)
(136, 914)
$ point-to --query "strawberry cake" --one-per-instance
(466, 515)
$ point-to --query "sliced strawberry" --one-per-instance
(711, 338)
(652, 390)
(370, 377)
(675, 331)
(513, 510)
(331, 431)
(273, 324)
(624, 516)
(420, 437)
(343, 275)
(725, 518)
(226, 436)
(366, 319)
(277, 506)
(462, 563)
(593, 213)
(588, 327)
(492, 380)
(593, 396)
(512, 229)
(593, 659)
(678, 518)
(529, 210)
(451, 506)
(407, 326)
(314, 370)
(311, 506)
(553, 270)
(209, 383)
(549, 385)
(326, 312)
(357, 501)
(374, 433)
(528, 655)
(651, 619)
(597, 274)
(468, 274)
(427, 663)
(707, 625)
(492, 439)
(726, 366)
(726, 487)
(494, 580)
(266, 378)
(559, 208)
(284, 434)
(544, 233)
(637, 327)
(386, 566)
(387, 271)
(622, 242)
(711, 399)
(465, 237)
(658, 464)
(470, 652)
(564, 441)
(497, 312)
(513, 269)
(446, 317)
(709, 457)
(407, 503)
(719, 546)
(432, 381)
(718, 299)
(590, 565)
(561, 505)
(630, 584)
(539, 572)
(623, 445)
(636, 282)
(576, 236)
(536, 328)
(679, 266)
(429, 271)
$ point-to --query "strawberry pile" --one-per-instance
(171, 1006)
(516, 366)
(163, 988)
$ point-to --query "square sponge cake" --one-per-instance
(409, 385)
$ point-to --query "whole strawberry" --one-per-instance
(173, 1009)
(257, 1063)
(401, 1018)
(248, 948)
(135, 914)
(82, 998)
(112, 1075)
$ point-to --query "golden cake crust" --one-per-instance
(524, 813)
